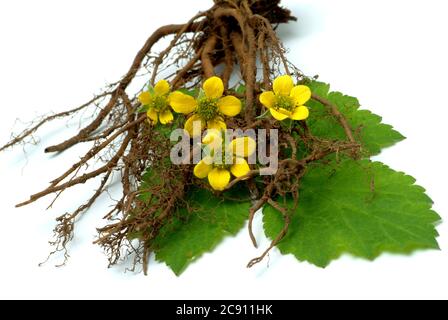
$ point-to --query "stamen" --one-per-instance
(284, 102)
(159, 103)
(208, 109)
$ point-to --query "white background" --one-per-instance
(55, 54)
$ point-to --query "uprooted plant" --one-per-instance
(325, 198)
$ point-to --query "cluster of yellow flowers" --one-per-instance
(224, 159)
(209, 110)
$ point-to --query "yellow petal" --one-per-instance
(203, 168)
(230, 106)
(217, 124)
(166, 117)
(182, 103)
(267, 99)
(300, 113)
(285, 112)
(145, 98)
(213, 137)
(190, 125)
(219, 179)
(243, 147)
(301, 95)
(214, 88)
(152, 114)
(277, 115)
(162, 88)
(214, 142)
(240, 168)
(283, 85)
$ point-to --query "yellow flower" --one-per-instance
(157, 102)
(219, 166)
(287, 100)
(209, 109)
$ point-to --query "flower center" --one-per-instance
(208, 109)
(284, 102)
(159, 103)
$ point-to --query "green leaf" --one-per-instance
(199, 229)
(362, 208)
(194, 92)
(143, 109)
(151, 90)
(167, 130)
(241, 89)
(369, 130)
(201, 94)
(150, 179)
